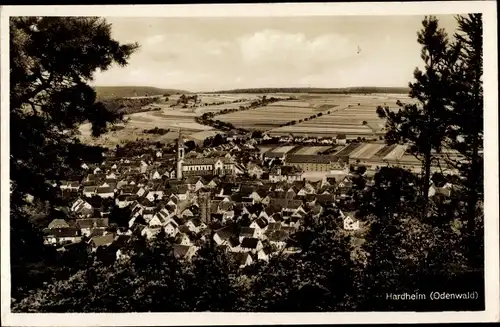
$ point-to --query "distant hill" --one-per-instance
(107, 92)
(362, 89)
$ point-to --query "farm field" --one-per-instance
(268, 117)
(219, 107)
(348, 113)
(309, 150)
(346, 151)
(366, 151)
(283, 149)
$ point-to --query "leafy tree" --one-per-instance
(49, 98)
(257, 134)
(210, 281)
(190, 145)
(423, 125)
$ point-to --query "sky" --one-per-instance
(208, 54)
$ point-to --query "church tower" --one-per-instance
(180, 155)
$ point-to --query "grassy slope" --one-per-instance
(106, 92)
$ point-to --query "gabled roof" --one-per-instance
(103, 190)
(249, 243)
(180, 251)
(240, 257)
(233, 241)
(261, 222)
(277, 236)
(102, 240)
(246, 232)
(63, 232)
(273, 226)
(226, 232)
(92, 223)
(184, 229)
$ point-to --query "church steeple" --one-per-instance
(180, 154)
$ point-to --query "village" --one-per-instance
(245, 196)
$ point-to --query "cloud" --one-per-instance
(294, 49)
(196, 55)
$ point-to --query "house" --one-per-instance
(87, 225)
(246, 232)
(62, 236)
(242, 259)
(160, 218)
(187, 213)
(105, 192)
(171, 228)
(195, 225)
(89, 191)
(156, 175)
(239, 169)
(182, 238)
(70, 186)
(255, 170)
(82, 208)
(233, 244)
(341, 139)
(184, 252)
(264, 254)
(444, 190)
(260, 226)
(124, 200)
(250, 244)
(150, 232)
(277, 239)
(221, 236)
(350, 223)
(285, 173)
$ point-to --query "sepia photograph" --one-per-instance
(249, 159)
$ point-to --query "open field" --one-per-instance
(346, 151)
(283, 149)
(268, 117)
(366, 151)
(354, 116)
(309, 150)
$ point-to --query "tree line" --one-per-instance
(347, 90)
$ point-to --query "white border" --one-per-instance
(488, 8)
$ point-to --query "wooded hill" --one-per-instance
(106, 92)
(357, 90)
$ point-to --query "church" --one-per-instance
(218, 166)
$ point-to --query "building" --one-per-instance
(201, 166)
(318, 163)
(207, 166)
(286, 174)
